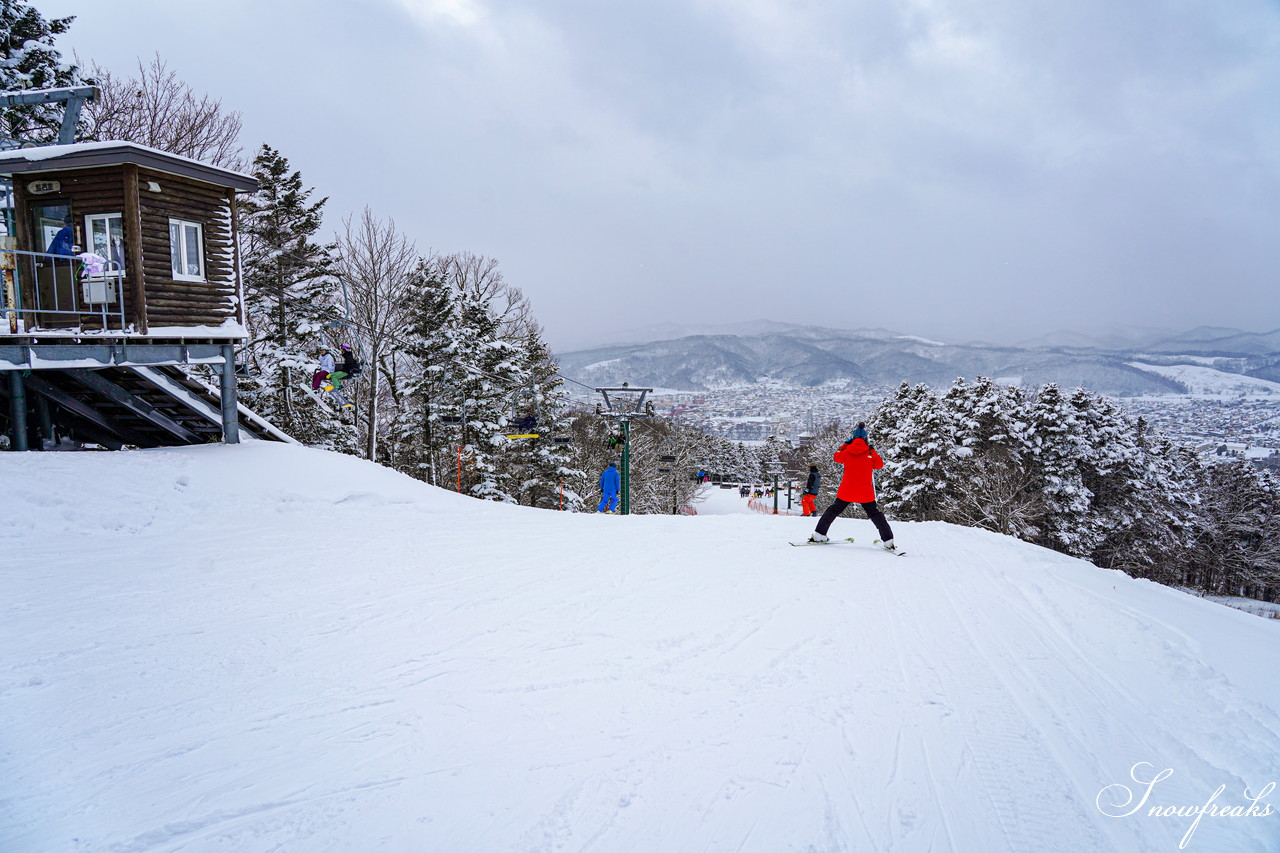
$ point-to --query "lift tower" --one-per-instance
(625, 404)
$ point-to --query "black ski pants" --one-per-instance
(873, 512)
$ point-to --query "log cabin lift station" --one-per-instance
(118, 268)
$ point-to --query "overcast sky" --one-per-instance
(953, 168)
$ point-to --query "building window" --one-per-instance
(106, 239)
(186, 250)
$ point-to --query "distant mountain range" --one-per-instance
(1122, 362)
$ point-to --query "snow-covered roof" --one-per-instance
(84, 155)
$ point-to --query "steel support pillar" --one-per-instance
(18, 404)
(625, 508)
(227, 386)
(46, 421)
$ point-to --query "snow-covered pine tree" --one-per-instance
(426, 445)
(488, 389)
(1057, 449)
(1237, 541)
(1161, 514)
(1112, 467)
(774, 450)
(750, 462)
(993, 486)
(537, 466)
(717, 457)
(919, 452)
(290, 294)
(991, 415)
(29, 60)
(491, 322)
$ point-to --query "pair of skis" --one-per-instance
(847, 541)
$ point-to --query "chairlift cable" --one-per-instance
(518, 386)
(348, 321)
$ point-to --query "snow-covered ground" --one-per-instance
(1265, 609)
(717, 501)
(271, 648)
(1206, 382)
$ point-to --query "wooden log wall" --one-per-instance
(150, 284)
(186, 303)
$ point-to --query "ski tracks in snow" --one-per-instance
(993, 777)
(1038, 714)
(454, 676)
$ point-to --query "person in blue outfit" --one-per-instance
(610, 484)
(63, 242)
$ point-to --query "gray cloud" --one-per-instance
(954, 168)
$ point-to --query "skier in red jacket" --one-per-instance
(859, 459)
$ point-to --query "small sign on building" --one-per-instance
(43, 187)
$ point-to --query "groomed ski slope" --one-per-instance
(272, 648)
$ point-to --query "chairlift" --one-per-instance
(452, 420)
(347, 333)
(349, 340)
(524, 414)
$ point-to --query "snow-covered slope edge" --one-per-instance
(272, 648)
(1205, 381)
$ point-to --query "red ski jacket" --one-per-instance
(859, 460)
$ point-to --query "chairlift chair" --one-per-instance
(524, 414)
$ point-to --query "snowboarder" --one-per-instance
(610, 484)
(811, 486)
(859, 459)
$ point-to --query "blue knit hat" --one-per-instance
(860, 432)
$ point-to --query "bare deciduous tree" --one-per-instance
(159, 110)
(478, 277)
(1001, 495)
(378, 263)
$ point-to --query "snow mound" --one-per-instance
(269, 647)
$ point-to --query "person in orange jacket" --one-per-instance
(811, 487)
(859, 459)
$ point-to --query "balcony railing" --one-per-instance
(40, 292)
